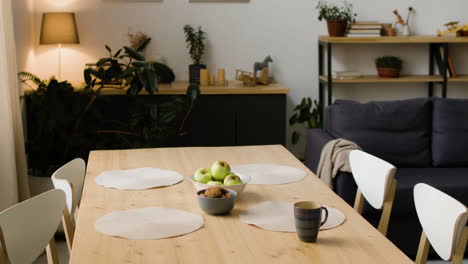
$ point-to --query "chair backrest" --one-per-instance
(442, 218)
(70, 178)
(373, 176)
(28, 227)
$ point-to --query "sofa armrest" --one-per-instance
(316, 140)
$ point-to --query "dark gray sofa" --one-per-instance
(426, 139)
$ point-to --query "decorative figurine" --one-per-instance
(248, 78)
(401, 26)
(453, 27)
(258, 66)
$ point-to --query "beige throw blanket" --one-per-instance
(334, 158)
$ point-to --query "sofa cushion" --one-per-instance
(450, 133)
(396, 131)
(453, 181)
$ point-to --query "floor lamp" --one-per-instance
(59, 28)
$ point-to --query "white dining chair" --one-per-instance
(28, 228)
(70, 178)
(443, 220)
(375, 180)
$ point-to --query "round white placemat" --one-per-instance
(138, 179)
(279, 216)
(149, 223)
(270, 173)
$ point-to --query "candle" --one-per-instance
(212, 79)
(221, 76)
(204, 77)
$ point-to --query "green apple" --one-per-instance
(219, 170)
(202, 175)
(215, 183)
(232, 179)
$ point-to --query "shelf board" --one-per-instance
(459, 78)
(233, 87)
(376, 79)
(394, 40)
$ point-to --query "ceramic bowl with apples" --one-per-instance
(219, 174)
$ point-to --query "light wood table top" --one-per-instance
(233, 87)
(396, 39)
(223, 239)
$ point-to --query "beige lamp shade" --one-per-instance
(59, 28)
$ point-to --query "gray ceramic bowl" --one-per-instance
(216, 206)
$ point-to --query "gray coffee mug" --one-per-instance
(308, 216)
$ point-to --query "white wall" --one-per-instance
(241, 33)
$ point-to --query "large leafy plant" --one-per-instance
(307, 113)
(195, 42)
(69, 123)
(330, 11)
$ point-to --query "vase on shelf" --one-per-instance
(194, 72)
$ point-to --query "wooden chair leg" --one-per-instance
(387, 208)
(423, 250)
(459, 252)
(3, 253)
(51, 251)
(69, 229)
(359, 201)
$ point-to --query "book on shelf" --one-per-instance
(365, 22)
(346, 74)
(364, 31)
(366, 26)
(364, 35)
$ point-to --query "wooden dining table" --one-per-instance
(223, 239)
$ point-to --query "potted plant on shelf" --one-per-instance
(196, 46)
(337, 16)
(389, 66)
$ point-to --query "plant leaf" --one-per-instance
(135, 87)
(134, 54)
(295, 137)
(139, 63)
(108, 48)
(118, 53)
(293, 119)
(87, 76)
(143, 45)
(103, 61)
(193, 91)
(150, 79)
(153, 110)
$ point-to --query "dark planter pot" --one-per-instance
(337, 28)
(463, 33)
(194, 72)
(389, 72)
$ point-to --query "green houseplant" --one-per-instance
(307, 113)
(195, 43)
(388, 66)
(65, 122)
(337, 16)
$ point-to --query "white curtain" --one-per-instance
(13, 172)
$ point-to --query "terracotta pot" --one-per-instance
(337, 28)
(389, 72)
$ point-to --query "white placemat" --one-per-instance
(270, 173)
(149, 223)
(279, 216)
(138, 179)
